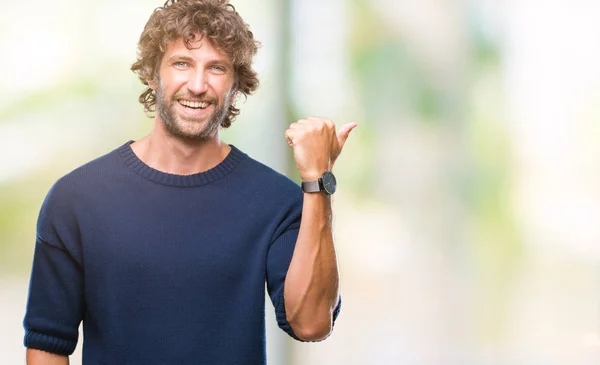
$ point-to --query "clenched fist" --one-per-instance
(316, 145)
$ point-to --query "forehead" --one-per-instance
(200, 48)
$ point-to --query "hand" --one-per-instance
(316, 145)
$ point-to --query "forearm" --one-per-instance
(39, 357)
(312, 283)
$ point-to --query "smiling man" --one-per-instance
(197, 80)
(162, 247)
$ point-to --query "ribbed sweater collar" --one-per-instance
(225, 167)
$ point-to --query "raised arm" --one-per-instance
(312, 283)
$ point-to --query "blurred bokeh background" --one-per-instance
(468, 210)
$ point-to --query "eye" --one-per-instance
(218, 69)
(180, 64)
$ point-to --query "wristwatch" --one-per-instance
(326, 183)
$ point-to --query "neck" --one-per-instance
(174, 155)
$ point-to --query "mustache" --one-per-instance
(198, 98)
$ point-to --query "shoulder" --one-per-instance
(68, 200)
(82, 180)
(263, 177)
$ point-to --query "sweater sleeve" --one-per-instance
(55, 303)
(278, 261)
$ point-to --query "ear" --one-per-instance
(153, 84)
(233, 90)
(235, 85)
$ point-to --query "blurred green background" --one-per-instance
(468, 210)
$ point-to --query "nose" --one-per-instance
(197, 83)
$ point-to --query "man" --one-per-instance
(163, 246)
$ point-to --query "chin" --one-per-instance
(195, 134)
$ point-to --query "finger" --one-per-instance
(312, 121)
(289, 137)
(320, 125)
(344, 132)
(318, 120)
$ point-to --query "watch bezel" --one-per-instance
(328, 183)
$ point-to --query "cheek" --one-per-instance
(221, 84)
(173, 80)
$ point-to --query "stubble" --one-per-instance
(175, 126)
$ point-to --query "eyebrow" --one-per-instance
(180, 58)
(177, 58)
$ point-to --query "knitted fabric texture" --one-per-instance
(162, 268)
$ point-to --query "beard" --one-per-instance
(176, 125)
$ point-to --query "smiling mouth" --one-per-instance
(194, 104)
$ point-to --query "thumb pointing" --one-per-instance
(344, 132)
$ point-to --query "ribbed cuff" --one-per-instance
(282, 322)
(40, 341)
(336, 311)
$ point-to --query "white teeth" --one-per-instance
(194, 104)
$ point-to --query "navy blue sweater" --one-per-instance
(162, 268)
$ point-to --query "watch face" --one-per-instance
(329, 183)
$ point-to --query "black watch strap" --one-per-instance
(311, 186)
(326, 184)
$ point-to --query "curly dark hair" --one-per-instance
(218, 21)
